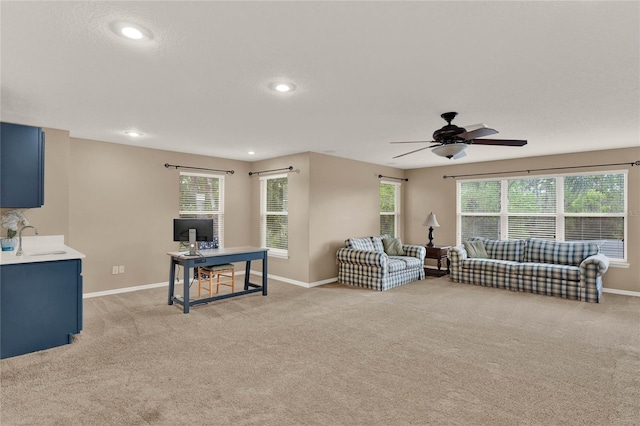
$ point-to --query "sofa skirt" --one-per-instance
(527, 284)
(376, 279)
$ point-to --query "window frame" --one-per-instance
(219, 228)
(273, 251)
(397, 208)
(560, 214)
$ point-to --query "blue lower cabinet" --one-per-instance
(40, 305)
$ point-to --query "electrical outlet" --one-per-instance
(121, 269)
(114, 270)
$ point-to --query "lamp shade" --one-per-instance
(452, 150)
(431, 221)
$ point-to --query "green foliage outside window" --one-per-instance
(388, 208)
(199, 193)
(480, 197)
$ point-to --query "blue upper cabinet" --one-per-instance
(21, 166)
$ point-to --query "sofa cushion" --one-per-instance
(558, 252)
(512, 250)
(475, 249)
(409, 261)
(547, 270)
(377, 242)
(393, 246)
(492, 265)
(396, 264)
(361, 244)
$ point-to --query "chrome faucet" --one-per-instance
(20, 252)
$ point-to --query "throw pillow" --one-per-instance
(393, 246)
(475, 249)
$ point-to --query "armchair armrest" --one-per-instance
(593, 266)
(362, 257)
(457, 254)
(415, 251)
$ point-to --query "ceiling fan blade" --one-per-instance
(414, 142)
(477, 133)
(501, 142)
(411, 152)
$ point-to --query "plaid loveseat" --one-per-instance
(572, 270)
(363, 263)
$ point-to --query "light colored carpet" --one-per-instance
(431, 352)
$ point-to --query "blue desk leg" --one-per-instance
(247, 273)
(172, 277)
(186, 288)
(264, 275)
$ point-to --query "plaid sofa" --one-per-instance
(363, 263)
(572, 270)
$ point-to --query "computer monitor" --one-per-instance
(192, 230)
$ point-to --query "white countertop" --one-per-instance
(46, 248)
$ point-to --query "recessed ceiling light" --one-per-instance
(133, 133)
(132, 33)
(283, 87)
(251, 152)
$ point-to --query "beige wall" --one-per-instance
(115, 203)
(344, 203)
(296, 266)
(121, 202)
(53, 217)
(428, 191)
(330, 200)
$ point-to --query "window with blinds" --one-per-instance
(274, 214)
(576, 207)
(202, 197)
(389, 208)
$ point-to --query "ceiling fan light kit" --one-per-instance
(451, 140)
(454, 150)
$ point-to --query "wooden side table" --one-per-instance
(439, 253)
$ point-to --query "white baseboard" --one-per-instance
(296, 282)
(125, 290)
(623, 292)
(165, 284)
(285, 280)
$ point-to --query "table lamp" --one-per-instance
(431, 222)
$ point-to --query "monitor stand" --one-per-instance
(192, 242)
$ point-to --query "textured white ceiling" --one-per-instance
(563, 75)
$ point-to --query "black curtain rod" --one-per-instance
(269, 171)
(167, 165)
(635, 163)
(391, 177)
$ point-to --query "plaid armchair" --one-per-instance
(364, 263)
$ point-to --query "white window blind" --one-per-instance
(479, 203)
(595, 209)
(274, 214)
(532, 208)
(571, 207)
(389, 208)
(202, 197)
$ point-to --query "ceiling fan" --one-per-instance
(451, 141)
